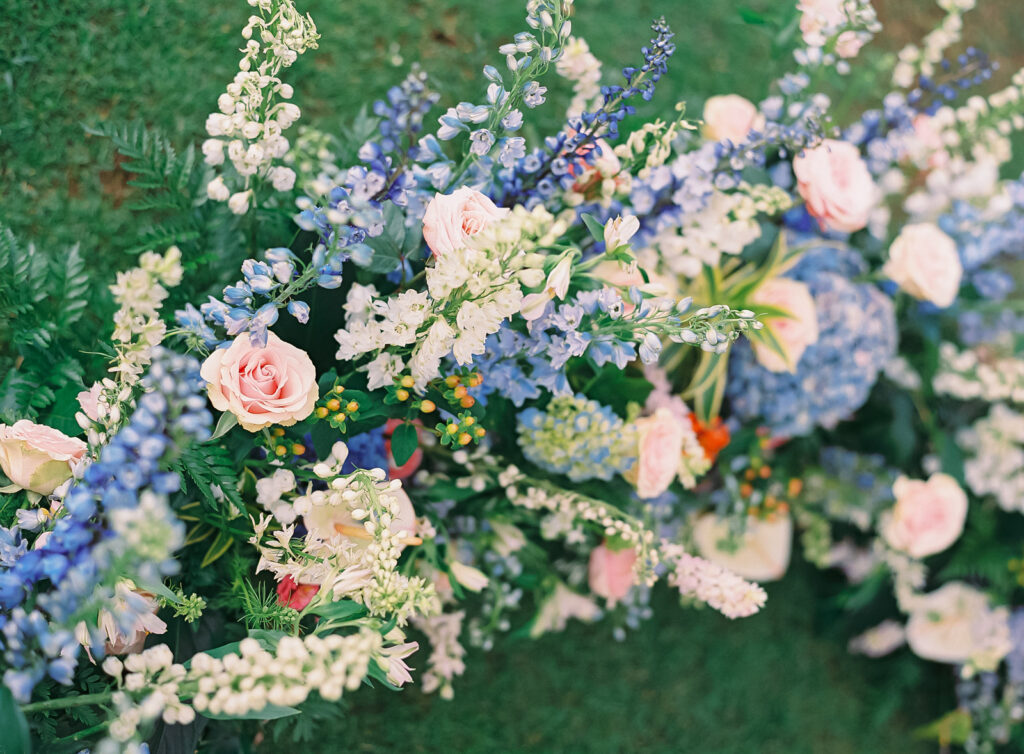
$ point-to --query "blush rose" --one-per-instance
(450, 219)
(36, 457)
(261, 386)
(928, 516)
(610, 572)
(835, 183)
(659, 453)
(731, 117)
(924, 262)
(793, 334)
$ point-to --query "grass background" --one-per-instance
(689, 682)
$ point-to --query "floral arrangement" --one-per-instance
(425, 383)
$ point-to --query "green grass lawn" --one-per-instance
(689, 682)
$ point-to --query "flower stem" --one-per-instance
(72, 701)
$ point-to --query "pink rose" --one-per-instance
(611, 572)
(836, 184)
(928, 516)
(794, 333)
(451, 219)
(36, 457)
(660, 450)
(261, 386)
(924, 262)
(730, 117)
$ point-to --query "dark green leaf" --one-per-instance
(404, 442)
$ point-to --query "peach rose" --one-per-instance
(659, 453)
(835, 183)
(611, 572)
(731, 117)
(450, 219)
(261, 386)
(794, 333)
(763, 551)
(928, 516)
(955, 624)
(924, 262)
(36, 457)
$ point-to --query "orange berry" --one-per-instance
(281, 450)
(452, 380)
(467, 401)
(402, 394)
(298, 449)
(765, 472)
(746, 490)
(461, 391)
(321, 412)
(749, 474)
(278, 432)
(352, 407)
(339, 389)
(427, 407)
(333, 405)
(480, 431)
(476, 379)
(407, 381)
(452, 429)
(465, 439)
(469, 421)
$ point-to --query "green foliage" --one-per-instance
(44, 299)
(13, 726)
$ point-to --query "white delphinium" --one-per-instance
(914, 60)
(151, 686)
(963, 375)
(995, 445)
(446, 652)
(254, 110)
(470, 291)
(726, 225)
(579, 66)
(712, 584)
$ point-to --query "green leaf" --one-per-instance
(270, 712)
(219, 546)
(390, 246)
(404, 442)
(13, 727)
(952, 728)
(324, 436)
(341, 610)
(225, 424)
(596, 228)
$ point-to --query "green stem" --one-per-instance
(73, 701)
(82, 734)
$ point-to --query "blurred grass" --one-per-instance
(689, 682)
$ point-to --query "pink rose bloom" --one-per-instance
(928, 147)
(925, 263)
(611, 572)
(836, 184)
(928, 516)
(294, 595)
(450, 219)
(36, 457)
(794, 333)
(261, 386)
(730, 117)
(660, 450)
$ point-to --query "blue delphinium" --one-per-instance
(856, 337)
(970, 68)
(577, 437)
(115, 525)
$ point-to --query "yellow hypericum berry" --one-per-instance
(452, 380)
(476, 379)
(321, 412)
(407, 381)
(480, 431)
(460, 391)
(339, 389)
(402, 394)
(277, 432)
(427, 406)
(352, 407)
(281, 450)
(452, 429)
(333, 405)
(469, 421)
(298, 449)
(467, 401)
(465, 439)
